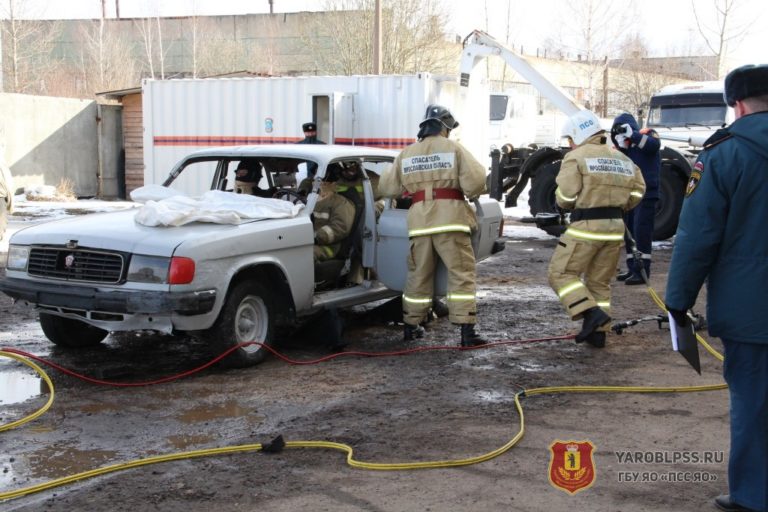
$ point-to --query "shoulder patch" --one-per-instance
(717, 137)
(693, 181)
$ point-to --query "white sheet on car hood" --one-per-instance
(214, 206)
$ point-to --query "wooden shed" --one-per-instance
(132, 134)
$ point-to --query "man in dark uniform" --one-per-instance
(721, 239)
(310, 134)
(310, 137)
(642, 147)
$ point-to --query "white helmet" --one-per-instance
(581, 126)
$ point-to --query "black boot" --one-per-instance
(634, 280)
(439, 308)
(594, 317)
(412, 332)
(596, 339)
(469, 338)
(623, 277)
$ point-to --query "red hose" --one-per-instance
(276, 353)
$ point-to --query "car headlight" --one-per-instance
(18, 257)
(148, 269)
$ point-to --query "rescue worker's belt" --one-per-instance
(600, 212)
(439, 193)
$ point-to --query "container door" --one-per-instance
(345, 119)
(322, 115)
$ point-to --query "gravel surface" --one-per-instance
(432, 405)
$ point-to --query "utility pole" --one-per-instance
(376, 39)
(271, 6)
(604, 113)
(117, 9)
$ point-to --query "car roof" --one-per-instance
(320, 153)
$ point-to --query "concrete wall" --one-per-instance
(47, 139)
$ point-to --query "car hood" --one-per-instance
(115, 231)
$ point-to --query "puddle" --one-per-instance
(520, 291)
(494, 397)
(228, 409)
(529, 366)
(19, 385)
(183, 441)
(7, 475)
(58, 461)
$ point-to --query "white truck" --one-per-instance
(688, 114)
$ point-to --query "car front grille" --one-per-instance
(76, 265)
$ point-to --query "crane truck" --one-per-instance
(514, 167)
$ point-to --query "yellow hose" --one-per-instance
(44, 376)
(378, 466)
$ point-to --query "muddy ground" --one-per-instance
(437, 405)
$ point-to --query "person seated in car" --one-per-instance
(350, 184)
(247, 177)
(332, 219)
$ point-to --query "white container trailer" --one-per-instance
(373, 110)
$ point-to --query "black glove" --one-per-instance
(680, 316)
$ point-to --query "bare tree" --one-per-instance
(341, 42)
(262, 54)
(27, 45)
(160, 48)
(219, 52)
(591, 32)
(636, 78)
(104, 64)
(728, 29)
(194, 34)
(144, 26)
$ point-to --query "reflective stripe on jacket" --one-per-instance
(436, 162)
(592, 176)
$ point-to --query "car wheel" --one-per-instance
(70, 333)
(671, 195)
(541, 198)
(246, 316)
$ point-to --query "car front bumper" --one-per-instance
(114, 301)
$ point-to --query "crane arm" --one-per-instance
(481, 45)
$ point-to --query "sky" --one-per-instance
(667, 25)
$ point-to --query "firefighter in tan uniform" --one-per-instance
(439, 174)
(333, 218)
(598, 184)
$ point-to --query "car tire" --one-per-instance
(247, 315)
(671, 195)
(70, 333)
(541, 197)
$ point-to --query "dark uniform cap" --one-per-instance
(309, 127)
(746, 82)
